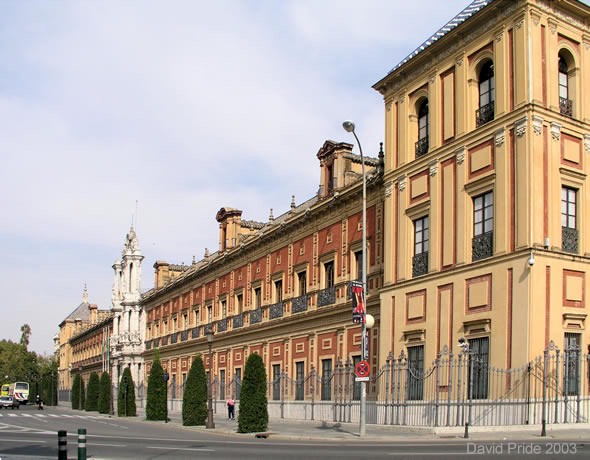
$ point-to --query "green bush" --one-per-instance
(75, 395)
(194, 403)
(156, 407)
(126, 398)
(104, 394)
(92, 393)
(253, 416)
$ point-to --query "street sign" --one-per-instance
(362, 369)
(361, 379)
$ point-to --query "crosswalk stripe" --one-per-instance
(41, 415)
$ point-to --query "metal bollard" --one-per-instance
(81, 443)
(62, 445)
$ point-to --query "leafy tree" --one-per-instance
(156, 406)
(126, 398)
(75, 395)
(253, 414)
(25, 335)
(92, 393)
(194, 403)
(104, 394)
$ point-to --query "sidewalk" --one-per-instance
(337, 431)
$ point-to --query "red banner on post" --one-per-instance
(358, 303)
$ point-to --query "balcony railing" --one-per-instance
(420, 264)
(482, 246)
(156, 343)
(484, 114)
(195, 332)
(422, 146)
(327, 296)
(256, 316)
(184, 336)
(222, 325)
(238, 321)
(299, 304)
(569, 239)
(148, 344)
(276, 310)
(164, 340)
(174, 338)
(566, 106)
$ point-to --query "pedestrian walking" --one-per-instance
(231, 409)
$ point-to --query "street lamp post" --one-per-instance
(166, 377)
(210, 422)
(349, 126)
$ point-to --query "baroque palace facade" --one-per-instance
(476, 230)
(487, 135)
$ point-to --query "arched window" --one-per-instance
(422, 143)
(565, 103)
(485, 112)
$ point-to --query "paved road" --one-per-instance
(28, 433)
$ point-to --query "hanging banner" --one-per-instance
(358, 303)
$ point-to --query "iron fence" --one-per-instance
(456, 389)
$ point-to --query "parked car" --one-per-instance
(9, 401)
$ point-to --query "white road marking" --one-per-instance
(193, 449)
(20, 440)
(103, 444)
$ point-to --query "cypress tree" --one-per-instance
(92, 393)
(82, 394)
(126, 398)
(104, 394)
(156, 406)
(194, 402)
(75, 395)
(253, 414)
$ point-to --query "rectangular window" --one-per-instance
(479, 350)
(482, 244)
(276, 382)
(222, 384)
(569, 224)
(240, 302)
(224, 309)
(238, 381)
(302, 282)
(571, 356)
(483, 214)
(416, 372)
(185, 321)
(165, 327)
(257, 297)
(278, 291)
(326, 392)
(197, 317)
(358, 259)
(299, 380)
(421, 236)
(568, 207)
(209, 314)
(174, 325)
(329, 274)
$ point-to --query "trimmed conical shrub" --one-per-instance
(156, 406)
(104, 394)
(75, 395)
(126, 398)
(92, 393)
(82, 394)
(194, 403)
(253, 416)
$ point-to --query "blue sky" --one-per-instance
(182, 106)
